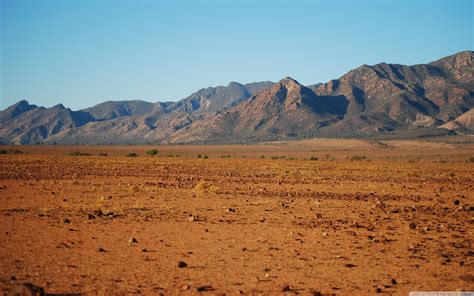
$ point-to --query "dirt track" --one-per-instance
(399, 220)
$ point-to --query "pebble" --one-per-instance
(286, 288)
(412, 226)
(132, 241)
(394, 281)
(456, 202)
(66, 221)
(204, 288)
(101, 250)
(182, 264)
(378, 290)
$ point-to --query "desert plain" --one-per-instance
(313, 217)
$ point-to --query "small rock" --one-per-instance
(456, 202)
(66, 221)
(350, 265)
(13, 278)
(325, 234)
(231, 210)
(378, 290)
(185, 287)
(182, 264)
(90, 217)
(144, 250)
(286, 288)
(101, 250)
(394, 281)
(132, 241)
(262, 219)
(192, 218)
(204, 288)
(412, 226)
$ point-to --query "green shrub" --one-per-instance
(78, 153)
(152, 152)
(358, 158)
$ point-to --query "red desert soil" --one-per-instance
(366, 217)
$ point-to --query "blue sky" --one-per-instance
(83, 52)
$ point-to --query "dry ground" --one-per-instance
(242, 221)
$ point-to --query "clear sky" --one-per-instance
(83, 52)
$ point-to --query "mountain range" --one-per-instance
(427, 99)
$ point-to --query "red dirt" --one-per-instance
(241, 224)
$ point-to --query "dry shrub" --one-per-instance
(203, 186)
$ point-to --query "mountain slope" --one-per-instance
(385, 98)
(287, 110)
(389, 96)
(35, 124)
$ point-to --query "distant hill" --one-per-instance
(435, 98)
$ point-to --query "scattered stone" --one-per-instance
(33, 289)
(412, 226)
(144, 250)
(192, 218)
(66, 221)
(456, 202)
(204, 288)
(325, 234)
(90, 217)
(231, 210)
(13, 278)
(132, 241)
(286, 288)
(262, 219)
(350, 265)
(185, 287)
(351, 233)
(182, 264)
(378, 290)
(394, 281)
(102, 250)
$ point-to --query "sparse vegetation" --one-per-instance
(313, 158)
(471, 159)
(131, 154)
(79, 153)
(102, 154)
(12, 151)
(152, 152)
(358, 158)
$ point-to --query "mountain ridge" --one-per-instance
(367, 100)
